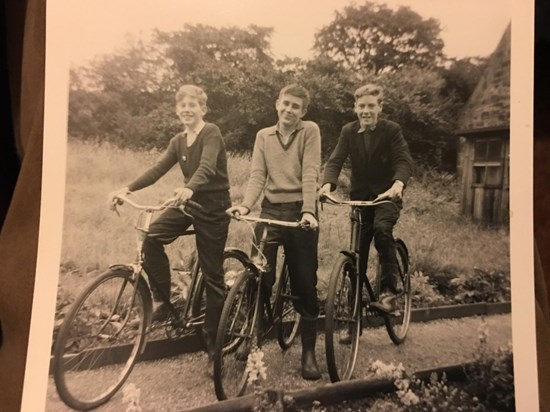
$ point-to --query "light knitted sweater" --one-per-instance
(286, 173)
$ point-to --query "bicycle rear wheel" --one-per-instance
(234, 263)
(287, 319)
(397, 322)
(342, 320)
(101, 338)
(235, 338)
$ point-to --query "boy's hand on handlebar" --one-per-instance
(325, 189)
(309, 220)
(238, 210)
(112, 197)
(181, 195)
(395, 192)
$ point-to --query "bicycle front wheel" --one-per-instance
(397, 322)
(101, 338)
(287, 319)
(235, 338)
(342, 320)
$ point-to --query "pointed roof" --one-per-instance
(489, 104)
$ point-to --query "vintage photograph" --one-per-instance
(280, 206)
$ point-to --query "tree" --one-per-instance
(235, 68)
(375, 38)
(461, 77)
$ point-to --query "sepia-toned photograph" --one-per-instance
(279, 206)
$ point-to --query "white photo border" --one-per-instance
(53, 190)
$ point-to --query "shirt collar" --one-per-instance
(197, 128)
(299, 126)
(363, 129)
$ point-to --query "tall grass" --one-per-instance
(439, 239)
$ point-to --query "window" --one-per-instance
(488, 160)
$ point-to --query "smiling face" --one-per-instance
(368, 108)
(290, 110)
(190, 111)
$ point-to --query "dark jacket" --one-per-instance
(373, 169)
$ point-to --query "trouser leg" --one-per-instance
(301, 256)
(365, 238)
(164, 230)
(211, 235)
(385, 218)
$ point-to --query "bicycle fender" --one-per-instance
(240, 253)
(126, 268)
(348, 253)
(402, 243)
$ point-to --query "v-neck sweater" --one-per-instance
(203, 163)
(286, 172)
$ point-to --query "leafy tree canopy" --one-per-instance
(375, 38)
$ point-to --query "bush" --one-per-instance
(482, 286)
(424, 294)
(491, 379)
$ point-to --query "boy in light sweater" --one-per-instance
(285, 168)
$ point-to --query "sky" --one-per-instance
(95, 27)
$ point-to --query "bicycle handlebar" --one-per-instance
(327, 198)
(272, 222)
(120, 199)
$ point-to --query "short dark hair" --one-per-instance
(296, 90)
(370, 89)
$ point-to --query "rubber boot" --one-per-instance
(310, 369)
(209, 341)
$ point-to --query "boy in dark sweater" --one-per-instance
(381, 166)
(285, 168)
(200, 152)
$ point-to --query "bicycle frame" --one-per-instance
(143, 223)
(354, 250)
(258, 268)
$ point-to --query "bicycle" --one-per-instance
(248, 316)
(104, 332)
(346, 300)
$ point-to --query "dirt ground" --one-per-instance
(182, 382)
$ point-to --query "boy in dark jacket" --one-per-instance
(381, 166)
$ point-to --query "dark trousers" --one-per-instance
(300, 248)
(211, 229)
(378, 223)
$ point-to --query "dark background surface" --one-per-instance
(21, 90)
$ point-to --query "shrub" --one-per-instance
(415, 395)
(424, 294)
(491, 376)
(482, 286)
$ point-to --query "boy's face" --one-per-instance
(290, 110)
(368, 108)
(190, 111)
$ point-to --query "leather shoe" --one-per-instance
(386, 303)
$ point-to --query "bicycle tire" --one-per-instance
(235, 338)
(342, 318)
(287, 319)
(233, 264)
(397, 323)
(87, 376)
